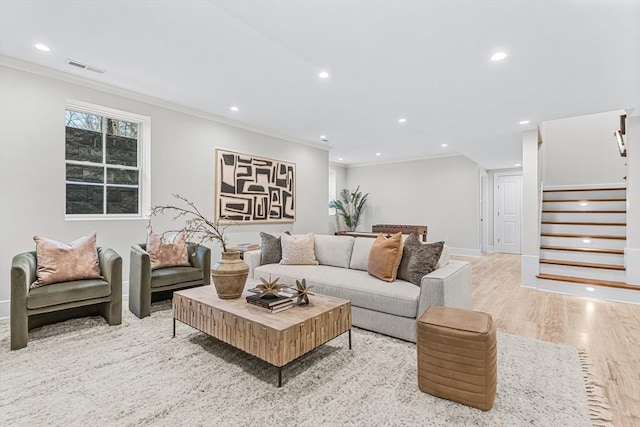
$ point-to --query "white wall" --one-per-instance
(441, 193)
(32, 171)
(582, 150)
(632, 250)
(530, 208)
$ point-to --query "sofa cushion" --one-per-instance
(63, 292)
(333, 250)
(298, 249)
(167, 251)
(61, 262)
(418, 259)
(399, 298)
(385, 257)
(172, 275)
(360, 254)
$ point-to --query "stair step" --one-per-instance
(584, 200)
(582, 242)
(592, 250)
(582, 236)
(558, 195)
(583, 212)
(582, 264)
(581, 216)
(580, 256)
(619, 224)
(560, 190)
(607, 283)
(584, 206)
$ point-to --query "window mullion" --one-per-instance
(104, 165)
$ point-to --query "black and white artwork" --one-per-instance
(254, 189)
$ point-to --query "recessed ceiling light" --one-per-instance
(323, 75)
(42, 47)
(402, 120)
(234, 108)
(323, 137)
(444, 145)
(518, 164)
(525, 122)
(378, 154)
(340, 158)
(498, 56)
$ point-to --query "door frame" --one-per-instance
(496, 179)
(483, 189)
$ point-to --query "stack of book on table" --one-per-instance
(272, 305)
(244, 247)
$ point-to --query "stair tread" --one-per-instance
(584, 200)
(593, 250)
(619, 224)
(585, 236)
(585, 189)
(576, 211)
(582, 264)
(596, 282)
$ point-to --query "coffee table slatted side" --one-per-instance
(277, 346)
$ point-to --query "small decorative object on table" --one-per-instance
(269, 289)
(303, 292)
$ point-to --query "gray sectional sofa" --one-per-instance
(388, 308)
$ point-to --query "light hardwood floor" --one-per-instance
(608, 331)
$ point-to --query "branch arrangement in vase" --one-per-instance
(196, 225)
(349, 206)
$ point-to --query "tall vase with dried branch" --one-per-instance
(349, 206)
(229, 274)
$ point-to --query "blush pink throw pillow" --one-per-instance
(167, 252)
(61, 262)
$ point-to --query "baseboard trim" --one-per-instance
(5, 306)
(491, 248)
(632, 265)
(5, 309)
(465, 252)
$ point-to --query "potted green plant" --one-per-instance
(229, 274)
(349, 206)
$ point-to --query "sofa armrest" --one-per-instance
(201, 258)
(23, 274)
(252, 258)
(111, 269)
(447, 286)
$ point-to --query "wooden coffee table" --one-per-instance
(278, 338)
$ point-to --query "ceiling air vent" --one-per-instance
(82, 66)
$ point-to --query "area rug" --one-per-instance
(83, 372)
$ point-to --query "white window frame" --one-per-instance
(144, 160)
(332, 189)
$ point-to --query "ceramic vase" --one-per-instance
(229, 275)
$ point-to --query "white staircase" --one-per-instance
(583, 236)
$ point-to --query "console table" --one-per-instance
(388, 229)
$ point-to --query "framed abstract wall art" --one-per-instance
(252, 189)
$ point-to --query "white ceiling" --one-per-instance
(427, 61)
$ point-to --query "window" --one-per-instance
(332, 189)
(106, 163)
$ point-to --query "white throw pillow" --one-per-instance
(298, 249)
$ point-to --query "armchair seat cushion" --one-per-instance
(172, 275)
(64, 292)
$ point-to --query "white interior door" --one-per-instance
(508, 216)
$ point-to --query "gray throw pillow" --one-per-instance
(271, 249)
(418, 259)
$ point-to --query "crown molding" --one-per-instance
(40, 70)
